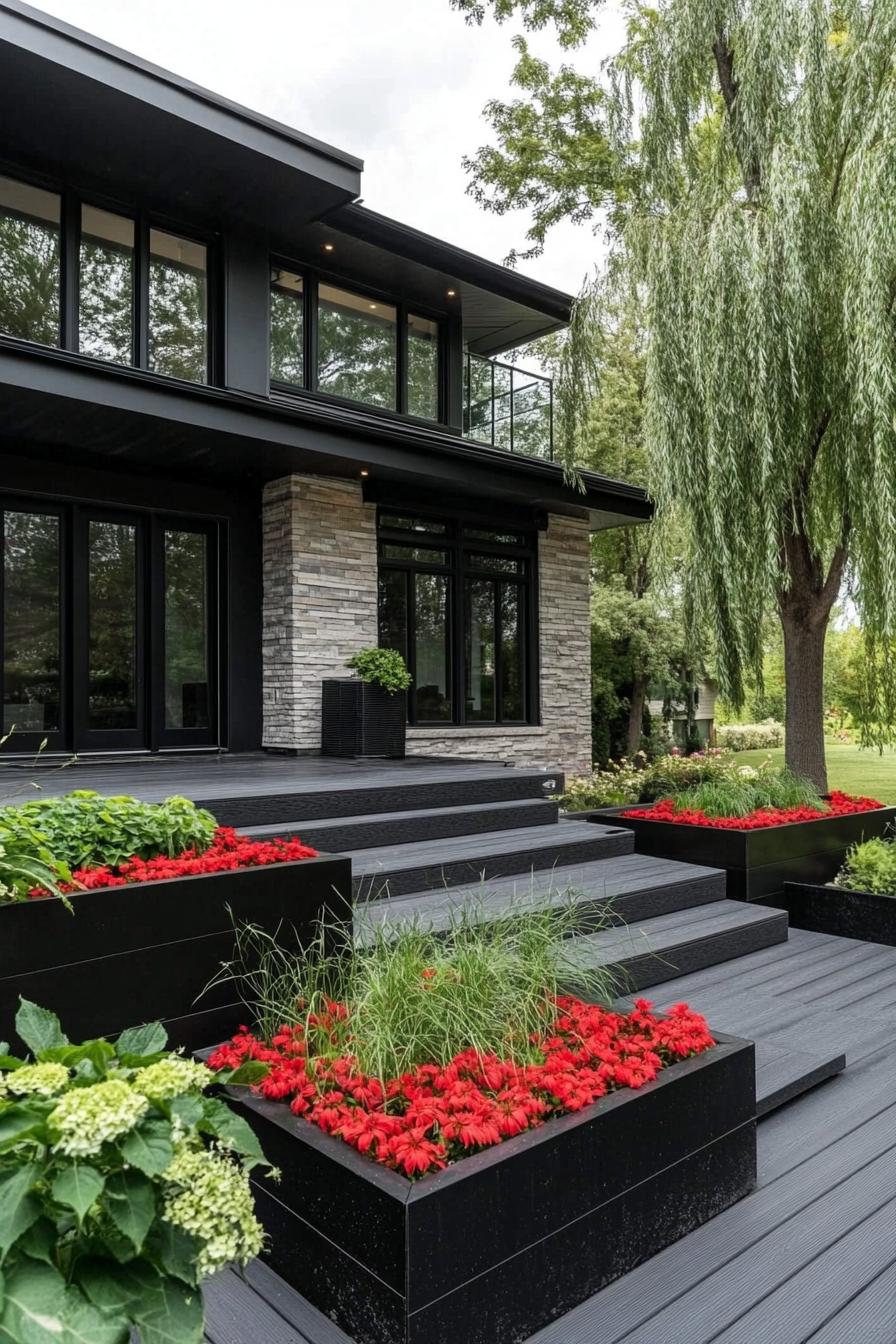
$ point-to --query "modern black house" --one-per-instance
(248, 426)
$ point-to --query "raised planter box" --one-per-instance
(759, 862)
(498, 1245)
(842, 912)
(135, 954)
(360, 719)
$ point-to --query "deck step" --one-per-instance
(621, 889)
(392, 787)
(656, 950)
(335, 834)
(435, 864)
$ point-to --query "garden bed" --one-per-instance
(842, 912)
(759, 861)
(495, 1246)
(145, 951)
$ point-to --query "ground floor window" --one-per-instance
(456, 599)
(108, 627)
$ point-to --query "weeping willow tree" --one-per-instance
(759, 204)
(765, 232)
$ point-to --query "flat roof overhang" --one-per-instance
(89, 113)
(66, 408)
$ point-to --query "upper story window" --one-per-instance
(361, 347)
(137, 295)
(29, 262)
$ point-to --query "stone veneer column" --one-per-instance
(563, 738)
(320, 598)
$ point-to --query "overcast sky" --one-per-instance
(400, 83)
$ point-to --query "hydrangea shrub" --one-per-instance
(124, 1182)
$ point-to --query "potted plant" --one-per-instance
(113, 909)
(123, 1184)
(429, 1190)
(366, 715)
(859, 903)
(763, 827)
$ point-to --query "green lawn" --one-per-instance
(849, 768)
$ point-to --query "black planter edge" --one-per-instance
(841, 912)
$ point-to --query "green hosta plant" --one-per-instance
(870, 866)
(123, 1184)
(27, 864)
(381, 667)
(84, 828)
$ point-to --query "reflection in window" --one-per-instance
(423, 367)
(187, 699)
(112, 625)
(432, 676)
(31, 615)
(513, 674)
(178, 307)
(106, 286)
(480, 651)
(287, 328)
(29, 262)
(356, 347)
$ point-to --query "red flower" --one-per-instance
(837, 805)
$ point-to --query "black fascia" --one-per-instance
(55, 397)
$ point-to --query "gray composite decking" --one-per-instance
(808, 1258)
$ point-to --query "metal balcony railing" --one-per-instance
(508, 407)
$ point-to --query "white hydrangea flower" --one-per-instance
(39, 1080)
(171, 1078)
(209, 1197)
(88, 1117)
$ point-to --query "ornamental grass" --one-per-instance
(419, 1047)
(675, 811)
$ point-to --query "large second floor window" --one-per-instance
(29, 262)
(362, 348)
(456, 601)
(138, 294)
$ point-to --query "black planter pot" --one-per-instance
(503, 1242)
(842, 912)
(128, 955)
(360, 719)
(759, 862)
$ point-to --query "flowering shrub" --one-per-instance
(619, 783)
(229, 850)
(679, 771)
(633, 781)
(837, 805)
(122, 1185)
(434, 1115)
(751, 736)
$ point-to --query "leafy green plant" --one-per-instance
(870, 866)
(84, 828)
(123, 1184)
(26, 864)
(417, 995)
(381, 667)
(671, 773)
(750, 736)
(739, 795)
(618, 784)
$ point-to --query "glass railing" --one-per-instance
(508, 407)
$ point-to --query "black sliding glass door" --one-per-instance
(109, 628)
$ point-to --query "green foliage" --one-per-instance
(870, 866)
(122, 1185)
(84, 828)
(621, 782)
(672, 773)
(417, 995)
(27, 864)
(381, 667)
(736, 795)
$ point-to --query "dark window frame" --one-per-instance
(459, 570)
(144, 220)
(73, 734)
(312, 277)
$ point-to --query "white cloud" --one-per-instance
(401, 83)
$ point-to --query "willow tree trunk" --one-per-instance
(636, 716)
(805, 610)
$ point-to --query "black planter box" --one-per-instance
(360, 719)
(842, 912)
(759, 862)
(503, 1242)
(126, 955)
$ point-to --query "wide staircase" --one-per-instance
(427, 844)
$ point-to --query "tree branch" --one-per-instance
(730, 90)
